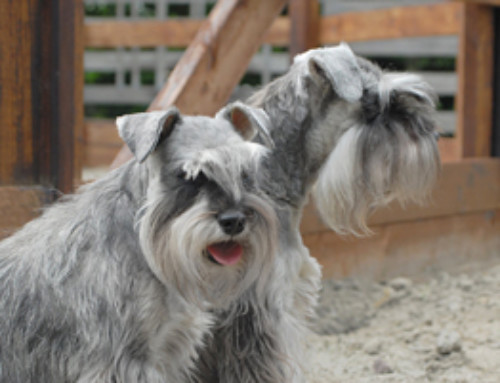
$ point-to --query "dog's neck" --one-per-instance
(300, 148)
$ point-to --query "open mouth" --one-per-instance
(225, 253)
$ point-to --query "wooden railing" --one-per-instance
(303, 29)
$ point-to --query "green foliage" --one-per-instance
(253, 79)
(147, 77)
(100, 10)
(99, 78)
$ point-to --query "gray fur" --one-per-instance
(359, 138)
(113, 284)
(118, 300)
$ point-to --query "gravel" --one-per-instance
(444, 329)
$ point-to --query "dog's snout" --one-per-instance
(232, 222)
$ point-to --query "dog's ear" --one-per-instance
(339, 67)
(142, 132)
(248, 122)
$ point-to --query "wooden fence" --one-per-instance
(117, 47)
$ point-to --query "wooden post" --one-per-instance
(40, 104)
(207, 73)
(59, 86)
(495, 134)
(17, 20)
(304, 20)
(474, 104)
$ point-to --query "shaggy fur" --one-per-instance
(356, 136)
(89, 296)
(117, 283)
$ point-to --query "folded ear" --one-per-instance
(142, 132)
(339, 67)
(248, 122)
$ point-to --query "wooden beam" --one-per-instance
(467, 186)
(78, 85)
(20, 205)
(495, 3)
(41, 79)
(17, 156)
(211, 67)
(410, 248)
(392, 23)
(278, 33)
(66, 75)
(171, 33)
(38, 104)
(448, 149)
(101, 143)
(495, 134)
(305, 18)
(475, 82)
(109, 34)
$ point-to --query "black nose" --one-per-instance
(232, 222)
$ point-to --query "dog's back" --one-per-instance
(69, 282)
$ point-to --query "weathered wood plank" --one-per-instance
(464, 187)
(16, 133)
(448, 149)
(173, 33)
(278, 33)
(397, 22)
(410, 248)
(19, 205)
(67, 105)
(78, 81)
(495, 133)
(38, 107)
(305, 19)
(101, 131)
(495, 3)
(474, 102)
(101, 143)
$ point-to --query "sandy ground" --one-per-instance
(445, 329)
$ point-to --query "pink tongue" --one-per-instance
(226, 253)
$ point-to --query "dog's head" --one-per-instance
(205, 228)
(369, 135)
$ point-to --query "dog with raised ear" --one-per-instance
(355, 137)
(362, 136)
(119, 282)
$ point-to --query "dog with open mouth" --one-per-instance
(353, 136)
(119, 282)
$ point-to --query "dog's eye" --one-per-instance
(246, 180)
(200, 180)
(181, 175)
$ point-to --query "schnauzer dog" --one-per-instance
(120, 282)
(356, 138)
